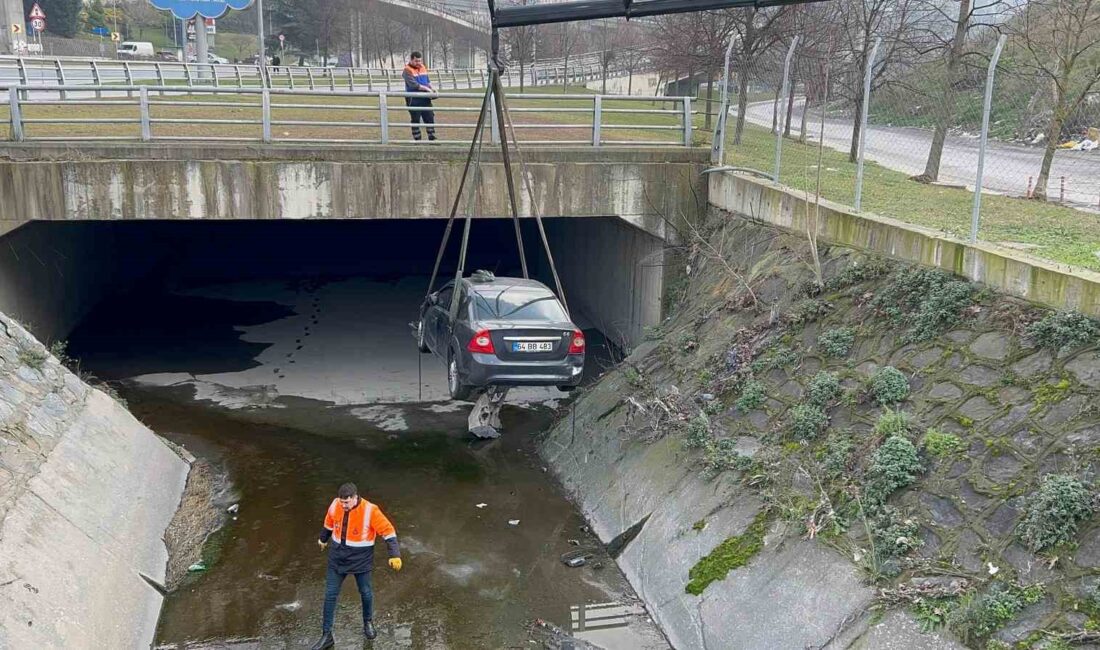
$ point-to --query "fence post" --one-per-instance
(687, 121)
(22, 71)
(309, 73)
(143, 111)
(60, 77)
(718, 146)
(384, 117)
(351, 78)
(236, 73)
(987, 106)
(129, 77)
(783, 114)
(865, 109)
(160, 75)
(16, 114)
(597, 118)
(265, 113)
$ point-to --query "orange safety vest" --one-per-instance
(365, 522)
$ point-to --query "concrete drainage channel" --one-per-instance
(287, 386)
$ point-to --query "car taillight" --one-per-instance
(482, 343)
(576, 345)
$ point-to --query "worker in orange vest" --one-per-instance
(351, 525)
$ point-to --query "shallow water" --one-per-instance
(471, 579)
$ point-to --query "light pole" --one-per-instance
(262, 60)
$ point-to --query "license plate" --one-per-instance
(533, 346)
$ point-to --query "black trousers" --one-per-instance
(427, 117)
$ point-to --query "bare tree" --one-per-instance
(567, 37)
(964, 17)
(520, 46)
(1060, 43)
(895, 22)
(629, 40)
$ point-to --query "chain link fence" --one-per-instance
(922, 145)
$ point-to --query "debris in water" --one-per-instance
(513, 522)
(575, 561)
(481, 505)
(197, 566)
(233, 508)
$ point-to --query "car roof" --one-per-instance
(496, 284)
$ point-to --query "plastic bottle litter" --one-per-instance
(197, 566)
(513, 522)
(233, 508)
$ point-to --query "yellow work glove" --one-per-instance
(395, 563)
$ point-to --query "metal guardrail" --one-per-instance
(224, 107)
(55, 73)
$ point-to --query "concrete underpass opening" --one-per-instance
(321, 307)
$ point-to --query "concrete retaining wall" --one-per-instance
(295, 182)
(613, 275)
(1007, 271)
(86, 492)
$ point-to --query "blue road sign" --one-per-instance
(188, 9)
(101, 31)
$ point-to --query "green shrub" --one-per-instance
(889, 385)
(857, 273)
(838, 453)
(752, 396)
(33, 357)
(838, 341)
(928, 301)
(932, 613)
(979, 615)
(823, 388)
(894, 465)
(942, 445)
(698, 432)
(1054, 511)
(808, 310)
(779, 356)
(721, 455)
(893, 537)
(1064, 330)
(892, 423)
(807, 421)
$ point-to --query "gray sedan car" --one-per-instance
(500, 332)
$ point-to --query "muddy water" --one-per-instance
(483, 527)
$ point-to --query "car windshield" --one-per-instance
(518, 303)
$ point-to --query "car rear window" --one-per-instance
(515, 303)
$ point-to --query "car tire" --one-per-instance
(420, 344)
(457, 389)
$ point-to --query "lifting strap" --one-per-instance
(494, 93)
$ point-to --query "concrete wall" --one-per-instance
(612, 275)
(53, 274)
(46, 182)
(86, 493)
(1007, 271)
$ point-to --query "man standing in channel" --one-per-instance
(351, 526)
(417, 81)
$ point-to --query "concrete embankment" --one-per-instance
(86, 493)
(735, 460)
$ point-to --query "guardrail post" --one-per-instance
(96, 78)
(469, 80)
(237, 74)
(687, 121)
(160, 76)
(16, 115)
(22, 71)
(383, 118)
(386, 77)
(129, 77)
(597, 118)
(370, 80)
(265, 114)
(309, 73)
(60, 77)
(351, 80)
(986, 108)
(214, 74)
(290, 77)
(331, 79)
(863, 123)
(143, 110)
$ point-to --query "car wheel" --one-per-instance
(420, 344)
(457, 389)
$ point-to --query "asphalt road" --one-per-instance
(1007, 165)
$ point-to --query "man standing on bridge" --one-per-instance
(352, 524)
(416, 81)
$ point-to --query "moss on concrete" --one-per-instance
(731, 554)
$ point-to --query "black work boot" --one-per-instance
(368, 630)
(325, 642)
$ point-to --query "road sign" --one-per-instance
(38, 24)
(36, 12)
(101, 31)
(16, 28)
(188, 9)
(116, 37)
